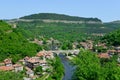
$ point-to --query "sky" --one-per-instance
(106, 10)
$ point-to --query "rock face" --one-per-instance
(56, 21)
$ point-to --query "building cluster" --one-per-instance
(29, 64)
(109, 52)
(7, 65)
(87, 45)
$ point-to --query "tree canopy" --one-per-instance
(89, 67)
(14, 44)
(54, 16)
(112, 38)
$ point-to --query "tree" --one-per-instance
(38, 70)
(7, 75)
(89, 67)
(58, 69)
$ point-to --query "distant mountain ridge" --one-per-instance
(117, 21)
(54, 16)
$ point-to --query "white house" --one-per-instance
(18, 67)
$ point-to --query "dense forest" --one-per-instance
(14, 44)
(113, 38)
(57, 30)
(90, 67)
(54, 16)
(61, 30)
(65, 33)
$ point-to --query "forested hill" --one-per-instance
(54, 16)
(13, 44)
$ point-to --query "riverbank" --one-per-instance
(68, 68)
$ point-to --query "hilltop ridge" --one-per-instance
(54, 16)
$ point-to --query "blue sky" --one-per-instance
(106, 10)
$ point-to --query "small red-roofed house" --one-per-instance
(18, 67)
(40, 54)
(32, 62)
(30, 73)
(8, 62)
(104, 55)
(6, 68)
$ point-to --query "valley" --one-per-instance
(45, 46)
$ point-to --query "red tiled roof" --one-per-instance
(103, 55)
(21, 60)
(118, 51)
(33, 60)
(40, 53)
(6, 68)
(17, 65)
(26, 58)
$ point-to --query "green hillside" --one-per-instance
(64, 31)
(34, 26)
(113, 38)
(54, 16)
(13, 44)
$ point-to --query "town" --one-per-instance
(42, 58)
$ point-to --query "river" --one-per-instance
(69, 69)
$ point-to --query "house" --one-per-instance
(37, 41)
(40, 54)
(104, 55)
(26, 58)
(117, 48)
(102, 45)
(30, 73)
(90, 44)
(8, 62)
(32, 62)
(25, 78)
(49, 55)
(18, 67)
(111, 51)
(45, 54)
(87, 45)
(118, 51)
(6, 68)
(84, 45)
(22, 61)
(42, 63)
